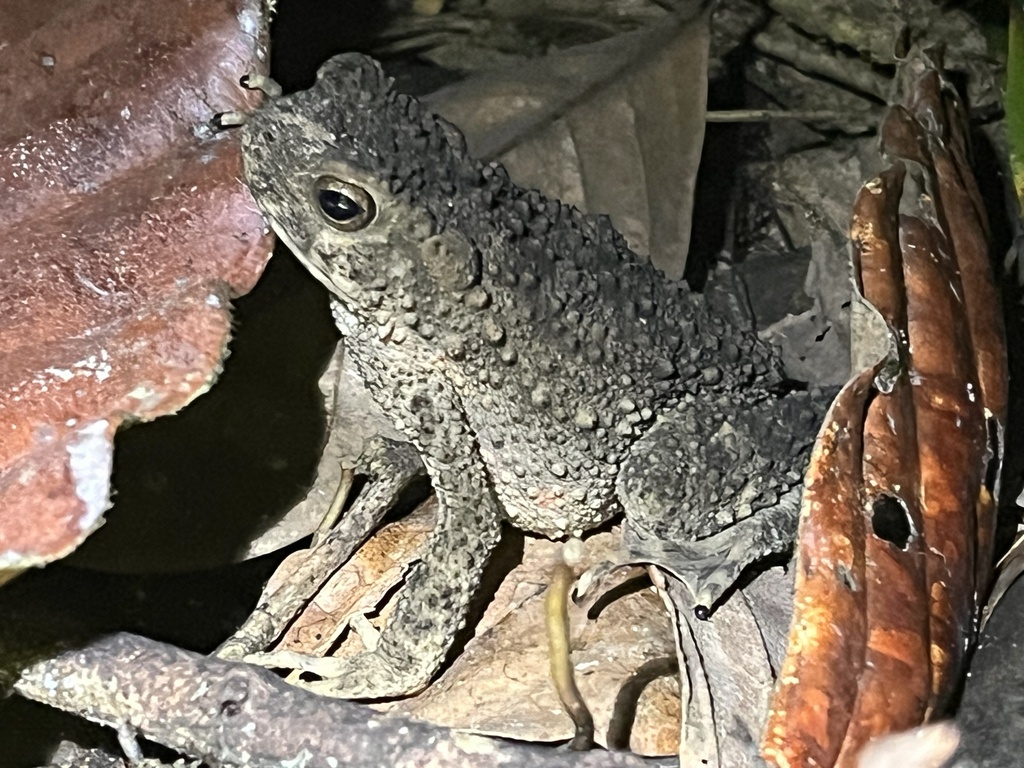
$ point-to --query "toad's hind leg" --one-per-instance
(433, 604)
(715, 485)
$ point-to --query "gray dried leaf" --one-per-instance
(353, 418)
(893, 26)
(728, 670)
(811, 208)
(1009, 569)
(614, 127)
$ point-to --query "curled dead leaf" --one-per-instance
(896, 528)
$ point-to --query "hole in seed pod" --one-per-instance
(890, 521)
(846, 577)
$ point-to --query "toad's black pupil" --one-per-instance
(338, 206)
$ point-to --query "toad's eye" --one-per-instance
(345, 206)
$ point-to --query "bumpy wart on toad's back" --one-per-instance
(544, 372)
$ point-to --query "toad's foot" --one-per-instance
(710, 567)
(390, 466)
(383, 673)
(257, 82)
(715, 486)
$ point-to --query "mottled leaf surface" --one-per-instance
(127, 232)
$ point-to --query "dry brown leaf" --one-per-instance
(613, 127)
(896, 529)
(358, 587)
(500, 684)
(127, 232)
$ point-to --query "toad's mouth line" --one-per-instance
(338, 285)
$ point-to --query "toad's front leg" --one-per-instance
(434, 602)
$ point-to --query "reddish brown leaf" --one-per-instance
(817, 686)
(950, 440)
(898, 617)
(960, 205)
(127, 233)
(883, 622)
